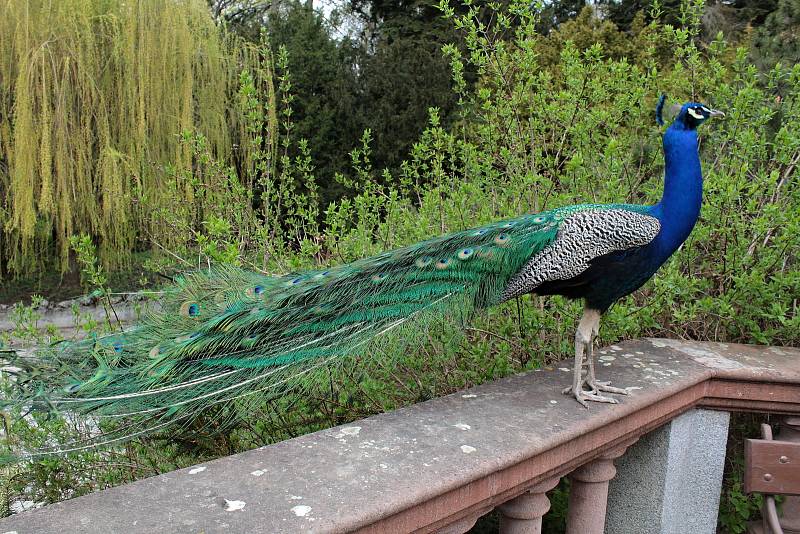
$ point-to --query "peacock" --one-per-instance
(227, 336)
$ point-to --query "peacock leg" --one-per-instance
(591, 381)
(577, 379)
(583, 343)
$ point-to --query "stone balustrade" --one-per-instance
(439, 465)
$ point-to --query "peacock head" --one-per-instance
(688, 116)
(693, 115)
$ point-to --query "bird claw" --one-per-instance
(596, 387)
(606, 387)
(582, 396)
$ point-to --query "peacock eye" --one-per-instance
(443, 263)
(465, 253)
(190, 309)
(502, 239)
(698, 112)
(255, 291)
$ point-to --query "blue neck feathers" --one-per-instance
(679, 206)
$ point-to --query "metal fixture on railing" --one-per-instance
(772, 467)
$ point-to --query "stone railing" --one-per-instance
(122, 308)
(439, 465)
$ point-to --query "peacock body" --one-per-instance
(229, 335)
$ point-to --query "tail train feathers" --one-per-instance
(227, 336)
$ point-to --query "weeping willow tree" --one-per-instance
(94, 95)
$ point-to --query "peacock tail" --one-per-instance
(227, 336)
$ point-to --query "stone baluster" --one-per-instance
(588, 494)
(523, 514)
(464, 524)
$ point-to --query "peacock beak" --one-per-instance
(717, 113)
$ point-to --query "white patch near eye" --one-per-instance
(695, 114)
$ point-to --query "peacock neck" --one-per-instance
(679, 206)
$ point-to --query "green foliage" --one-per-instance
(736, 508)
(91, 273)
(778, 40)
(89, 118)
(26, 324)
(323, 89)
(92, 276)
(399, 73)
(71, 475)
(555, 522)
(243, 16)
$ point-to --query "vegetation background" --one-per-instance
(142, 138)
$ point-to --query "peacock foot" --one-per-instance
(581, 395)
(595, 386)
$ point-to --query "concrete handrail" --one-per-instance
(123, 309)
(438, 465)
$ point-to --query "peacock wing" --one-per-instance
(584, 235)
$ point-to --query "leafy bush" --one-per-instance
(90, 113)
